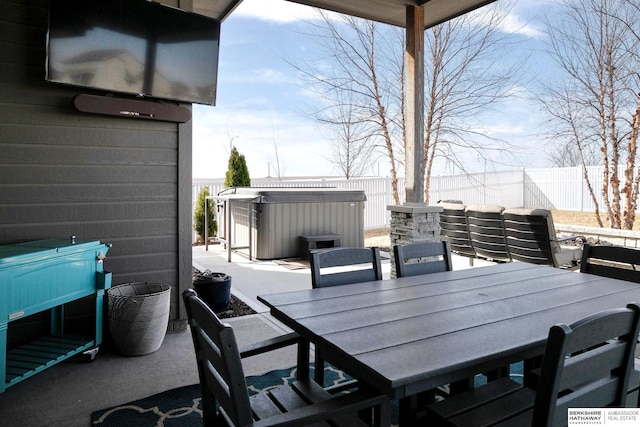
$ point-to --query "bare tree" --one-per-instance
(566, 132)
(464, 77)
(278, 164)
(351, 61)
(352, 150)
(595, 44)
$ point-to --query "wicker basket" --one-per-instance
(138, 316)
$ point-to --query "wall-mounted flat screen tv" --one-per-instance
(135, 47)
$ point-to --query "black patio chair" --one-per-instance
(454, 229)
(422, 258)
(585, 365)
(225, 399)
(531, 237)
(487, 233)
(342, 266)
(617, 262)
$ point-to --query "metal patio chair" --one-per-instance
(454, 229)
(487, 233)
(531, 237)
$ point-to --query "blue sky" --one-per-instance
(261, 102)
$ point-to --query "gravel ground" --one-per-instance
(235, 307)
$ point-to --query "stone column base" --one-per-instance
(413, 223)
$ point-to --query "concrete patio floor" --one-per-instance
(67, 394)
(251, 278)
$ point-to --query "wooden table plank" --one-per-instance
(458, 355)
(515, 270)
(352, 312)
(408, 335)
(421, 325)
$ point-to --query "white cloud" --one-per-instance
(252, 116)
(269, 75)
(515, 24)
(280, 11)
(517, 20)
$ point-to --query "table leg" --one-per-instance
(407, 410)
(303, 359)
(411, 409)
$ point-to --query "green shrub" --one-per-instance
(198, 215)
(237, 172)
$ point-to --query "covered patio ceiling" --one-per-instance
(387, 11)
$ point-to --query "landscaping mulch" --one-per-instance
(235, 308)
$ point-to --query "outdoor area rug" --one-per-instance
(181, 407)
(293, 263)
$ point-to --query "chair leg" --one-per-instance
(407, 410)
(319, 370)
(377, 416)
(461, 386)
(382, 414)
(303, 359)
(501, 372)
(529, 379)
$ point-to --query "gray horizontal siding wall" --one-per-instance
(64, 173)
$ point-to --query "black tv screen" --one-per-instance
(135, 47)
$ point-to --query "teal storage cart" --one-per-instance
(44, 275)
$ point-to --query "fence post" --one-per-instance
(484, 184)
(582, 184)
(524, 188)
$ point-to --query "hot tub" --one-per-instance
(266, 223)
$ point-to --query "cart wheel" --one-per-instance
(90, 355)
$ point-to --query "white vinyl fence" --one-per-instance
(553, 188)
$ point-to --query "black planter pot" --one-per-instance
(214, 289)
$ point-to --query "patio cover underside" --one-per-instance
(387, 11)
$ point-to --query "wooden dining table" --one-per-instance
(408, 335)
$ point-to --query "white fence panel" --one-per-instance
(497, 188)
(551, 188)
(558, 188)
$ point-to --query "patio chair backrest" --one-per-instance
(454, 228)
(530, 235)
(487, 233)
(616, 262)
(328, 266)
(587, 364)
(219, 365)
(422, 258)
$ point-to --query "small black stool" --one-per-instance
(322, 241)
